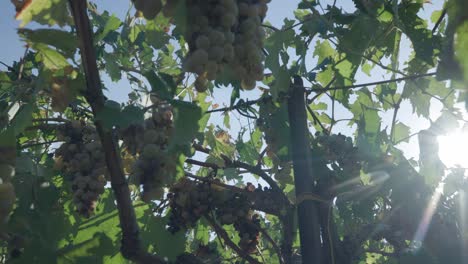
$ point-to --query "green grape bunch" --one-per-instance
(154, 167)
(225, 34)
(81, 160)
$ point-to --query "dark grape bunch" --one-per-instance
(189, 201)
(154, 167)
(338, 151)
(225, 33)
(271, 199)
(81, 159)
(233, 209)
(249, 232)
(269, 114)
(237, 210)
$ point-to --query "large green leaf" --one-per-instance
(461, 52)
(62, 40)
(126, 116)
(276, 120)
(165, 243)
(355, 41)
(282, 82)
(112, 66)
(110, 24)
(155, 33)
(23, 118)
(51, 58)
(276, 42)
(415, 28)
(186, 124)
(247, 152)
(159, 86)
(92, 250)
(400, 132)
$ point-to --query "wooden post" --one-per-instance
(307, 210)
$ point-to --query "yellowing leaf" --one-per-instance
(45, 12)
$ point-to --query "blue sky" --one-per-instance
(12, 49)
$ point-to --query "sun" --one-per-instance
(453, 149)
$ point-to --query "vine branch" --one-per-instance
(131, 246)
(261, 201)
(437, 24)
(235, 164)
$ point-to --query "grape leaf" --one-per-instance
(247, 152)
(112, 23)
(281, 83)
(62, 40)
(92, 250)
(127, 116)
(186, 118)
(23, 118)
(166, 245)
(461, 53)
(159, 86)
(400, 132)
(52, 59)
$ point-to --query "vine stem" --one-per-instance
(394, 118)
(272, 242)
(238, 105)
(320, 91)
(50, 119)
(316, 120)
(131, 246)
(404, 78)
(21, 67)
(36, 144)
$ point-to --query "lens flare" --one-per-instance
(453, 149)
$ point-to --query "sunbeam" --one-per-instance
(427, 217)
(462, 199)
(353, 188)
